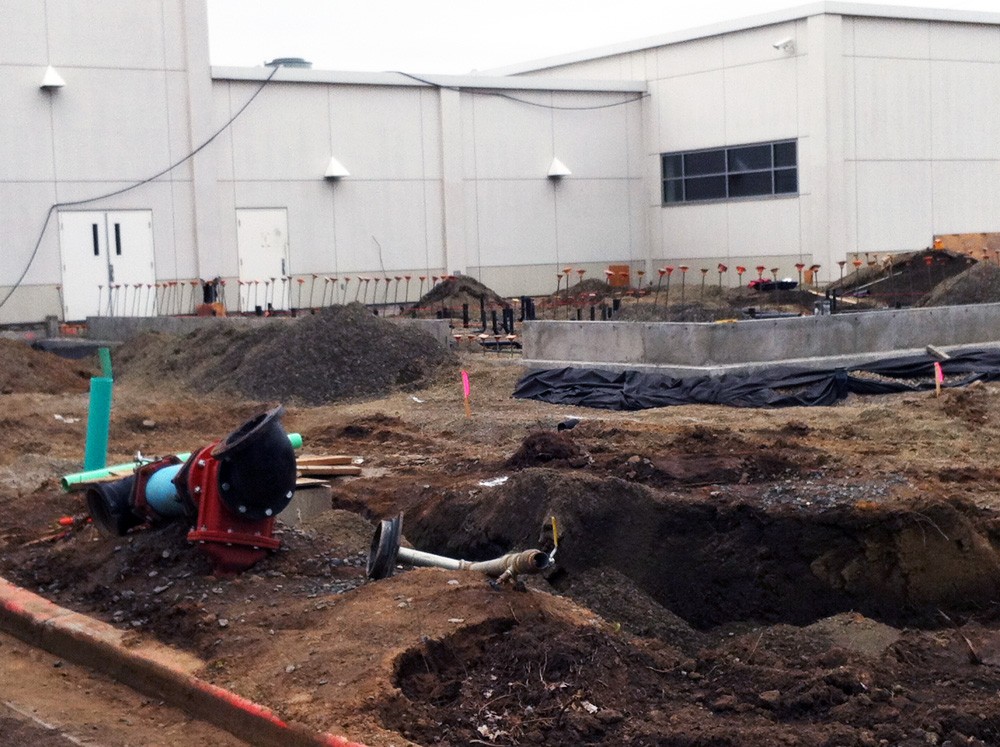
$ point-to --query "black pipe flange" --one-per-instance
(385, 548)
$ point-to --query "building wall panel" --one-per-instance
(283, 135)
(892, 108)
(963, 116)
(100, 133)
(894, 205)
(890, 38)
(85, 33)
(517, 222)
(965, 196)
(27, 45)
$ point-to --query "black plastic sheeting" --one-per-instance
(779, 386)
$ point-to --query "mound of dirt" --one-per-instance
(978, 284)
(454, 291)
(590, 290)
(344, 352)
(23, 369)
(546, 447)
(713, 304)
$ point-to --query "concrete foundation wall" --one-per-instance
(812, 341)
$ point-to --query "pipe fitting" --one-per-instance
(386, 551)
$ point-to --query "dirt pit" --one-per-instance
(819, 576)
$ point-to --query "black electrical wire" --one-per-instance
(483, 92)
(123, 190)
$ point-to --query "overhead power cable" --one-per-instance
(123, 190)
(500, 94)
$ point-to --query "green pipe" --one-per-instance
(68, 482)
(105, 356)
(98, 421)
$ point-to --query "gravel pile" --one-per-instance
(344, 352)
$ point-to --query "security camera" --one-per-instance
(787, 44)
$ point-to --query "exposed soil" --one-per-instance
(978, 284)
(812, 576)
(23, 369)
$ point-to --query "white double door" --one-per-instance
(107, 263)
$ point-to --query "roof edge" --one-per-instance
(750, 22)
(306, 75)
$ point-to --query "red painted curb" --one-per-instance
(151, 668)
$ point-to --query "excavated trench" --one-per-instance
(645, 556)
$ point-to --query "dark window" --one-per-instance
(785, 181)
(784, 154)
(750, 184)
(705, 188)
(673, 190)
(672, 166)
(748, 159)
(706, 162)
(118, 239)
(730, 173)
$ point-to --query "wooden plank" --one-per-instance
(332, 470)
(310, 482)
(327, 460)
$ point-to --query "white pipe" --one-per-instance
(514, 563)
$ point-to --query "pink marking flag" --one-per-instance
(938, 378)
(466, 389)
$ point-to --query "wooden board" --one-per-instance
(318, 470)
(328, 459)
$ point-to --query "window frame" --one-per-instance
(674, 185)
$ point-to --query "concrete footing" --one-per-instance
(821, 342)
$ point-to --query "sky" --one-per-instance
(459, 36)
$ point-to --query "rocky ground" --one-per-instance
(811, 576)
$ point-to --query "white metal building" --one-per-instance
(800, 136)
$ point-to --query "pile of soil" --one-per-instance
(23, 370)
(713, 304)
(978, 284)
(586, 291)
(343, 352)
(453, 292)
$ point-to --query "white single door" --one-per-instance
(262, 245)
(107, 263)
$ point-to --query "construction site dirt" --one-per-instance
(807, 576)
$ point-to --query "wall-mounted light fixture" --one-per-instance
(557, 169)
(335, 169)
(51, 80)
(785, 45)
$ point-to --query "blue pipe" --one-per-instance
(161, 493)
